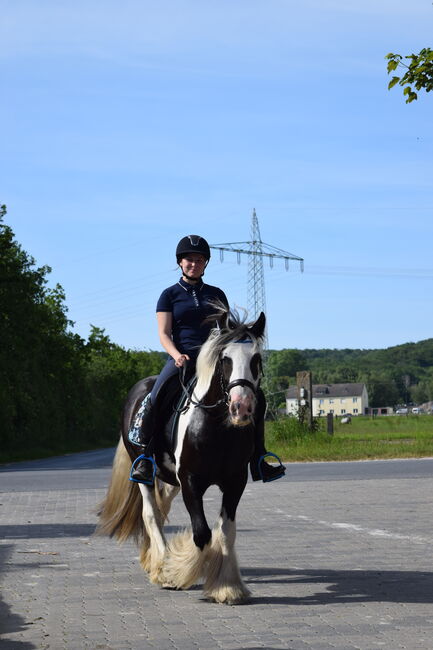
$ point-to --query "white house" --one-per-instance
(339, 399)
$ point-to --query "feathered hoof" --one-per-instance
(152, 566)
(166, 584)
(156, 574)
(183, 563)
(229, 595)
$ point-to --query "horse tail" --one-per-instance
(120, 511)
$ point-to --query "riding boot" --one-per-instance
(259, 468)
(143, 468)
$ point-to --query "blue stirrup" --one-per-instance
(274, 478)
(143, 457)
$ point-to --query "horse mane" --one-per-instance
(230, 327)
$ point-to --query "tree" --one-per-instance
(382, 392)
(40, 360)
(419, 72)
(284, 363)
(57, 392)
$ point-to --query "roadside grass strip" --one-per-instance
(365, 438)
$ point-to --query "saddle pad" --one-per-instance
(179, 408)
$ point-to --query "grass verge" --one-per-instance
(364, 438)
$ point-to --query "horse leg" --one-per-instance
(164, 497)
(224, 583)
(153, 549)
(186, 552)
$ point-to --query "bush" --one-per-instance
(287, 430)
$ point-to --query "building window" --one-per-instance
(331, 401)
(321, 412)
(342, 401)
(343, 411)
(332, 411)
(321, 401)
(355, 410)
(354, 400)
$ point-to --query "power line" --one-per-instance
(257, 250)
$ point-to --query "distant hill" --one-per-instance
(399, 374)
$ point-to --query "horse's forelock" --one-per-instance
(237, 330)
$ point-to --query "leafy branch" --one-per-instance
(418, 75)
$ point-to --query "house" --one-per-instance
(339, 399)
(381, 410)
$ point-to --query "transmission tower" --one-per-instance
(257, 250)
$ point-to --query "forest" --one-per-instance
(62, 393)
(396, 375)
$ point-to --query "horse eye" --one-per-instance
(227, 364)
(255, 365)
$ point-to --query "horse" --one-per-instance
(215, 442)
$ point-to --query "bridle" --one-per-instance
(225, 388)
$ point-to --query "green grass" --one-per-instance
(364, 438)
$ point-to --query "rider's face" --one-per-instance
(192, 266)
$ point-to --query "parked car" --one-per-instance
(401, 411)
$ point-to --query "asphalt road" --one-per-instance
(91, 469)
(337, 555)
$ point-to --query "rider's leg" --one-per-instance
(143, 432)
(259, 468)
(142, 436)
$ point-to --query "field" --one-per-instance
(365, 438)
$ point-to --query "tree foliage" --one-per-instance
(418, 72)
(396, 375)
(57, 391)
(285, 362)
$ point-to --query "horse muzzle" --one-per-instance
(241, 402)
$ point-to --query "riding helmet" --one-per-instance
(192, 244)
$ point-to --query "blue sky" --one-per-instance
(125, 126)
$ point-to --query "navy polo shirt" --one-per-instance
(190, 305)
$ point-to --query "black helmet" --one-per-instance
(192, 244)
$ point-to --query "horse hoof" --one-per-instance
(229, 595)
(166, 582)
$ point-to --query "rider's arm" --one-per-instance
(165, 323)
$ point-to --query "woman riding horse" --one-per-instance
(183, 312)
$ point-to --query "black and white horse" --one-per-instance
(215, 441)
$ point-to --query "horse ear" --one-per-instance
(227, 321)
(224, 320)
(230, 322)
(258, 329)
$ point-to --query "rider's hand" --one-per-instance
(180, 360)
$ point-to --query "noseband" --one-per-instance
(240, 382)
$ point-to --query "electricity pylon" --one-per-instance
(257, 250)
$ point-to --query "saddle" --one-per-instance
(173, 401)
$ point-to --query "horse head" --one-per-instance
(241, 362)
(232, 353)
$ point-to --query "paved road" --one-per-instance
(337, 555)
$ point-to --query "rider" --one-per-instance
(181, 311)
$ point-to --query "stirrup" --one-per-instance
(273, 478)
(143, 457)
